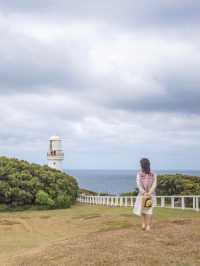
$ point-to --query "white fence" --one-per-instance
(176, 201)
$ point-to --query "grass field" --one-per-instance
(97, 235)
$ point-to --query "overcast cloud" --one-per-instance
(117, 80)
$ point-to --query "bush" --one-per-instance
(22, 183)
(42, 198)
(176, 184)
(63, 201)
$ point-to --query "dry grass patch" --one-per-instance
(96, 235)
(86, 216)
(9, 222)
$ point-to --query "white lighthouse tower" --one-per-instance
(55, 154)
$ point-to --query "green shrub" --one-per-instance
(22, 183)
(43, 198)
(176, 184)
(63, 201)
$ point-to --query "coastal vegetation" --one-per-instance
(177, 184)
(25, 184)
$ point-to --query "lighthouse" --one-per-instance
(55, 154)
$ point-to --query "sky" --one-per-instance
(116, 80)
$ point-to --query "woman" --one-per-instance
(146, 182)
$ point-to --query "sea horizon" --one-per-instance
(115, 181)
(129, 169)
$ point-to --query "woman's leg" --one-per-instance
(143, 221)
(151, 216)
(148, 221)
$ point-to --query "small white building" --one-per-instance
(55, 154)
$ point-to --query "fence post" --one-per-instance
(162, 202)
(155, 201)
(182, 202)
(116, 201)
(197, 203)
(172, 202)
(132, 201)
(126, 202)
(193, 203)
(112, 201)
(108, 199)
(121, 201)
(101, 200)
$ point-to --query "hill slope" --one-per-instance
(96, 235)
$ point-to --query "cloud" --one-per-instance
(149, 12)
(115, 81)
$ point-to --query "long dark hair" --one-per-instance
(145, 165)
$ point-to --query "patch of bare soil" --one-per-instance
(9, 222)
(174, 243)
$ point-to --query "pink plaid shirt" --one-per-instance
(146, 180)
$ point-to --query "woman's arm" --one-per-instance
(153, 187)
(141, 190)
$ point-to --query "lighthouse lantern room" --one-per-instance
(55, 154)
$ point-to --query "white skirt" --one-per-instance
(147, 210)
(138, 210)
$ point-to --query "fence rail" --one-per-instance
(174, 202)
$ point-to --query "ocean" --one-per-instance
(114, 181)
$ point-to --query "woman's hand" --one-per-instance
(146, 194)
